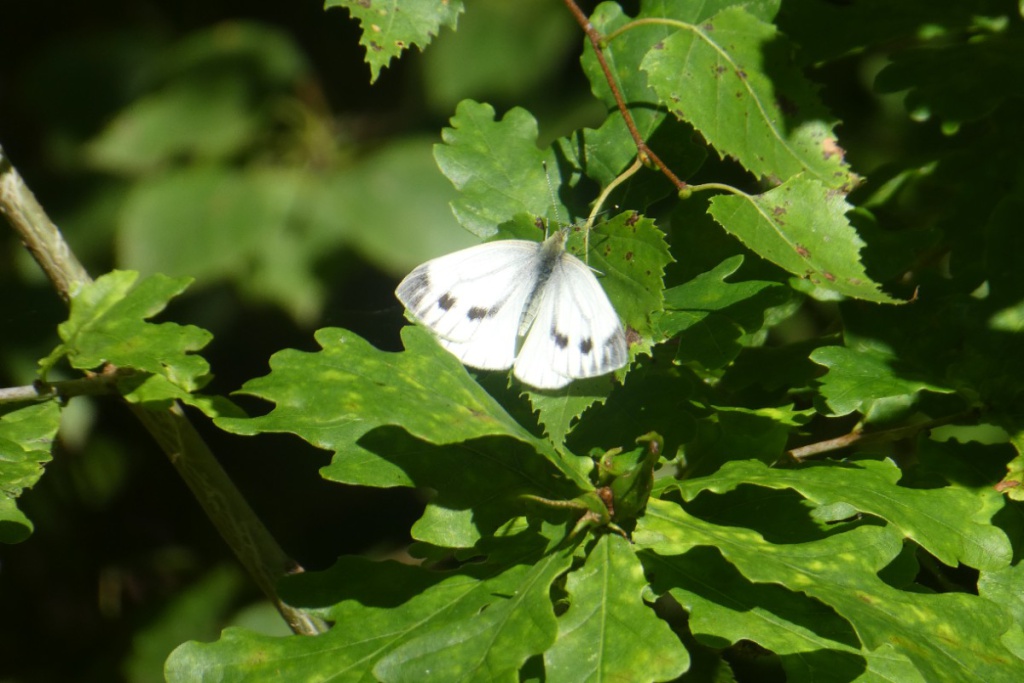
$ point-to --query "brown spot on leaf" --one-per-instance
(830, 148)
(375, 47)
(633, 219)
(802, 250)
(828, 276)
(742, 74)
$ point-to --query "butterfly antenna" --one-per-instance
(551, 194)
(554, 207)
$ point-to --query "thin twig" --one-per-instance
(92, 385)
(858, 437)
(644, 153)
(251, 542)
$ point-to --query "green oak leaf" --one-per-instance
(812, 642)
(710, 316)
(108, 323)
(476, 485)
(608, 633)
(952, 523)
(334, 396)
(394, 622)
(858, 377)
(497, 167)
(26, 436)
(947, 637)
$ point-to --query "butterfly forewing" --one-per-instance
(474, 299)
(520, 304)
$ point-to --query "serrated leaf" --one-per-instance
(609, 148)
(497, 167)
(947, 637)
(857, 377)
(334, 396)
(952, 523)
(730, 77)
(603, 153)
(608, 633)
(630, 255)
(559, 410)
(391, 26)
(26, 436)
(802, 227)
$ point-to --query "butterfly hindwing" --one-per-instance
(473, 299)
(576, 332)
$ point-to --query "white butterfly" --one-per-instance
(531, 306)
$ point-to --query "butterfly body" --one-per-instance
(515, 303)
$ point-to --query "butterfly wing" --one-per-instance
(576, 332)
(474, 299)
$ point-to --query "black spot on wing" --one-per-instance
(561, 341)
(479, 312)
(586, 346)
(446, 302)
